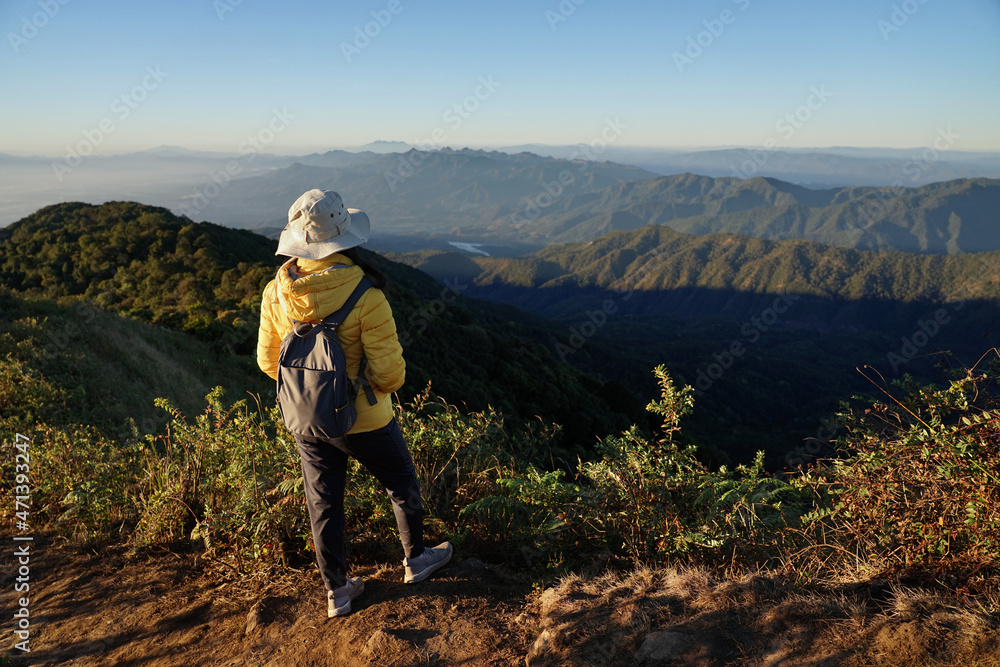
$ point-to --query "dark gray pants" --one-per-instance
(324, 469)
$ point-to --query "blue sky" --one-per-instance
(205, 74)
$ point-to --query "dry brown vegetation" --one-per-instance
(687, 616)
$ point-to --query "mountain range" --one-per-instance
(528, 200)
(523, 202)
(830, 167)
(415, 192)
(945, 218)
(658, 258)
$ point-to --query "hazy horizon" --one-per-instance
(293, 151)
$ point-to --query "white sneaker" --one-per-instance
(427, 563)
(338, 601)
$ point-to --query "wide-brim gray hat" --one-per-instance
(319, 225)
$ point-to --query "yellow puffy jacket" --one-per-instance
(306, 290)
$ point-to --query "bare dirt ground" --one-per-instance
(155, 610)
(175, 609)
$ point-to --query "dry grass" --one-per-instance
(686, 616)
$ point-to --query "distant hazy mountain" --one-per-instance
(524, 200)
(163, 176)
(382, 146)
(22, 160)
(824, 170)
(180, 151)
(435, 192)
(815, 168)
(338, 159)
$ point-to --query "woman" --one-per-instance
(321, 238)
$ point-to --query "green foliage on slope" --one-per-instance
(145, 262)
(656, 258)
(943, 218)
(72, 362)
(920, 489)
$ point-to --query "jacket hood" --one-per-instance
(309, 290)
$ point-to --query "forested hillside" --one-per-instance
(801, 317)
(660, 268)
(141, 261)
(125, 459)
(953, 217)
(606, 311)
(145, 263)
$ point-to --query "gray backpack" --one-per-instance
(315, 396)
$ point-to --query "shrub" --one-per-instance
(659, 501)
(230, 479)
(457, 457)
(644, 499)
(919, 492)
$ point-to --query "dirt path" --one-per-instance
(173, 609)
(169, 610)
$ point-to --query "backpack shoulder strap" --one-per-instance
(335, 318)
(362, 383)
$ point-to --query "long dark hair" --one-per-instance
(372, 271)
